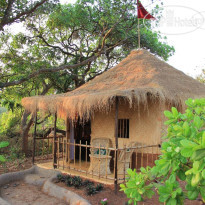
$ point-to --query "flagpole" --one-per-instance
(138, 32)
(138, 23)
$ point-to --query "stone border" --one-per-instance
(48, 187)
(59, 192)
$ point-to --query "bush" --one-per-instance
(90, 190)
(77, 182)
(87, 183)
(183, 157)
(99, 187)
(62, 177)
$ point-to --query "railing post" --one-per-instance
(54, 144)
(34, 139)
(116, 140)
(67, 138)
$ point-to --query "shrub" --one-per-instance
(183, 157)
(87, 183)
(90, 190)
(62, 177)
(69, 181)
(99, 187)
(77, 182)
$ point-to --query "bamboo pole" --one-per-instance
(58, 153)
(106, 161)
(74, 152)
(63, 152)
(68, 154)
(124, 162)
(99, 162)
(67, 138)
(116, 139)
(136, 157)
(34, 139)
(55, 147)
(43, 148)
(86, 156)
(142, 157)
(80, 154)
(152, 157)
(48, 148)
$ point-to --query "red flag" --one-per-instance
(142, 13)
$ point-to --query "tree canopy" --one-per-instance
(76, 42)
(12, 11)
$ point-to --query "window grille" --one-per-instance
(123, 128)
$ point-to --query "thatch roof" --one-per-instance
(138, 77)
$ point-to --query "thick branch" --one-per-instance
(49, 70)
(6, 20)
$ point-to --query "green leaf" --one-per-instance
(175, 112)
(2, 159)
(186, 152)
(4, 144)
(168, 114)
(130, 201)
(171, 201)
(186, 129)
(187, 143)
(198, 122)
(192, 195)
(181, 175)
(163, 197)
(202, 192)
(149, 193)
(189, 187)
(195, 179)
(172, 178)
(198, 154)
(203, 139)
(203, 173)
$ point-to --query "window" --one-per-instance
(123, 128)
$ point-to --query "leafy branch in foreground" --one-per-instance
(182, 158)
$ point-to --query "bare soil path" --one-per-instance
(20, 193)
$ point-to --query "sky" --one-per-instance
(183, 24)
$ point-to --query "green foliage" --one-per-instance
(135, 187)
(78, 183)
(2, 145)
(90, 190)
(99, 187)
(183, 157)
(9, 122)
(201, 77)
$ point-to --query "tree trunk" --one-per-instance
(25, 127)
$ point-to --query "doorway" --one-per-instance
(82, 131)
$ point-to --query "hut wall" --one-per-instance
(146, 125)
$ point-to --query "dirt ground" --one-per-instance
(20, 193)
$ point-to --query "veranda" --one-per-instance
(104, 164)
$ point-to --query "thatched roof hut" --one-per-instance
(139, 77)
